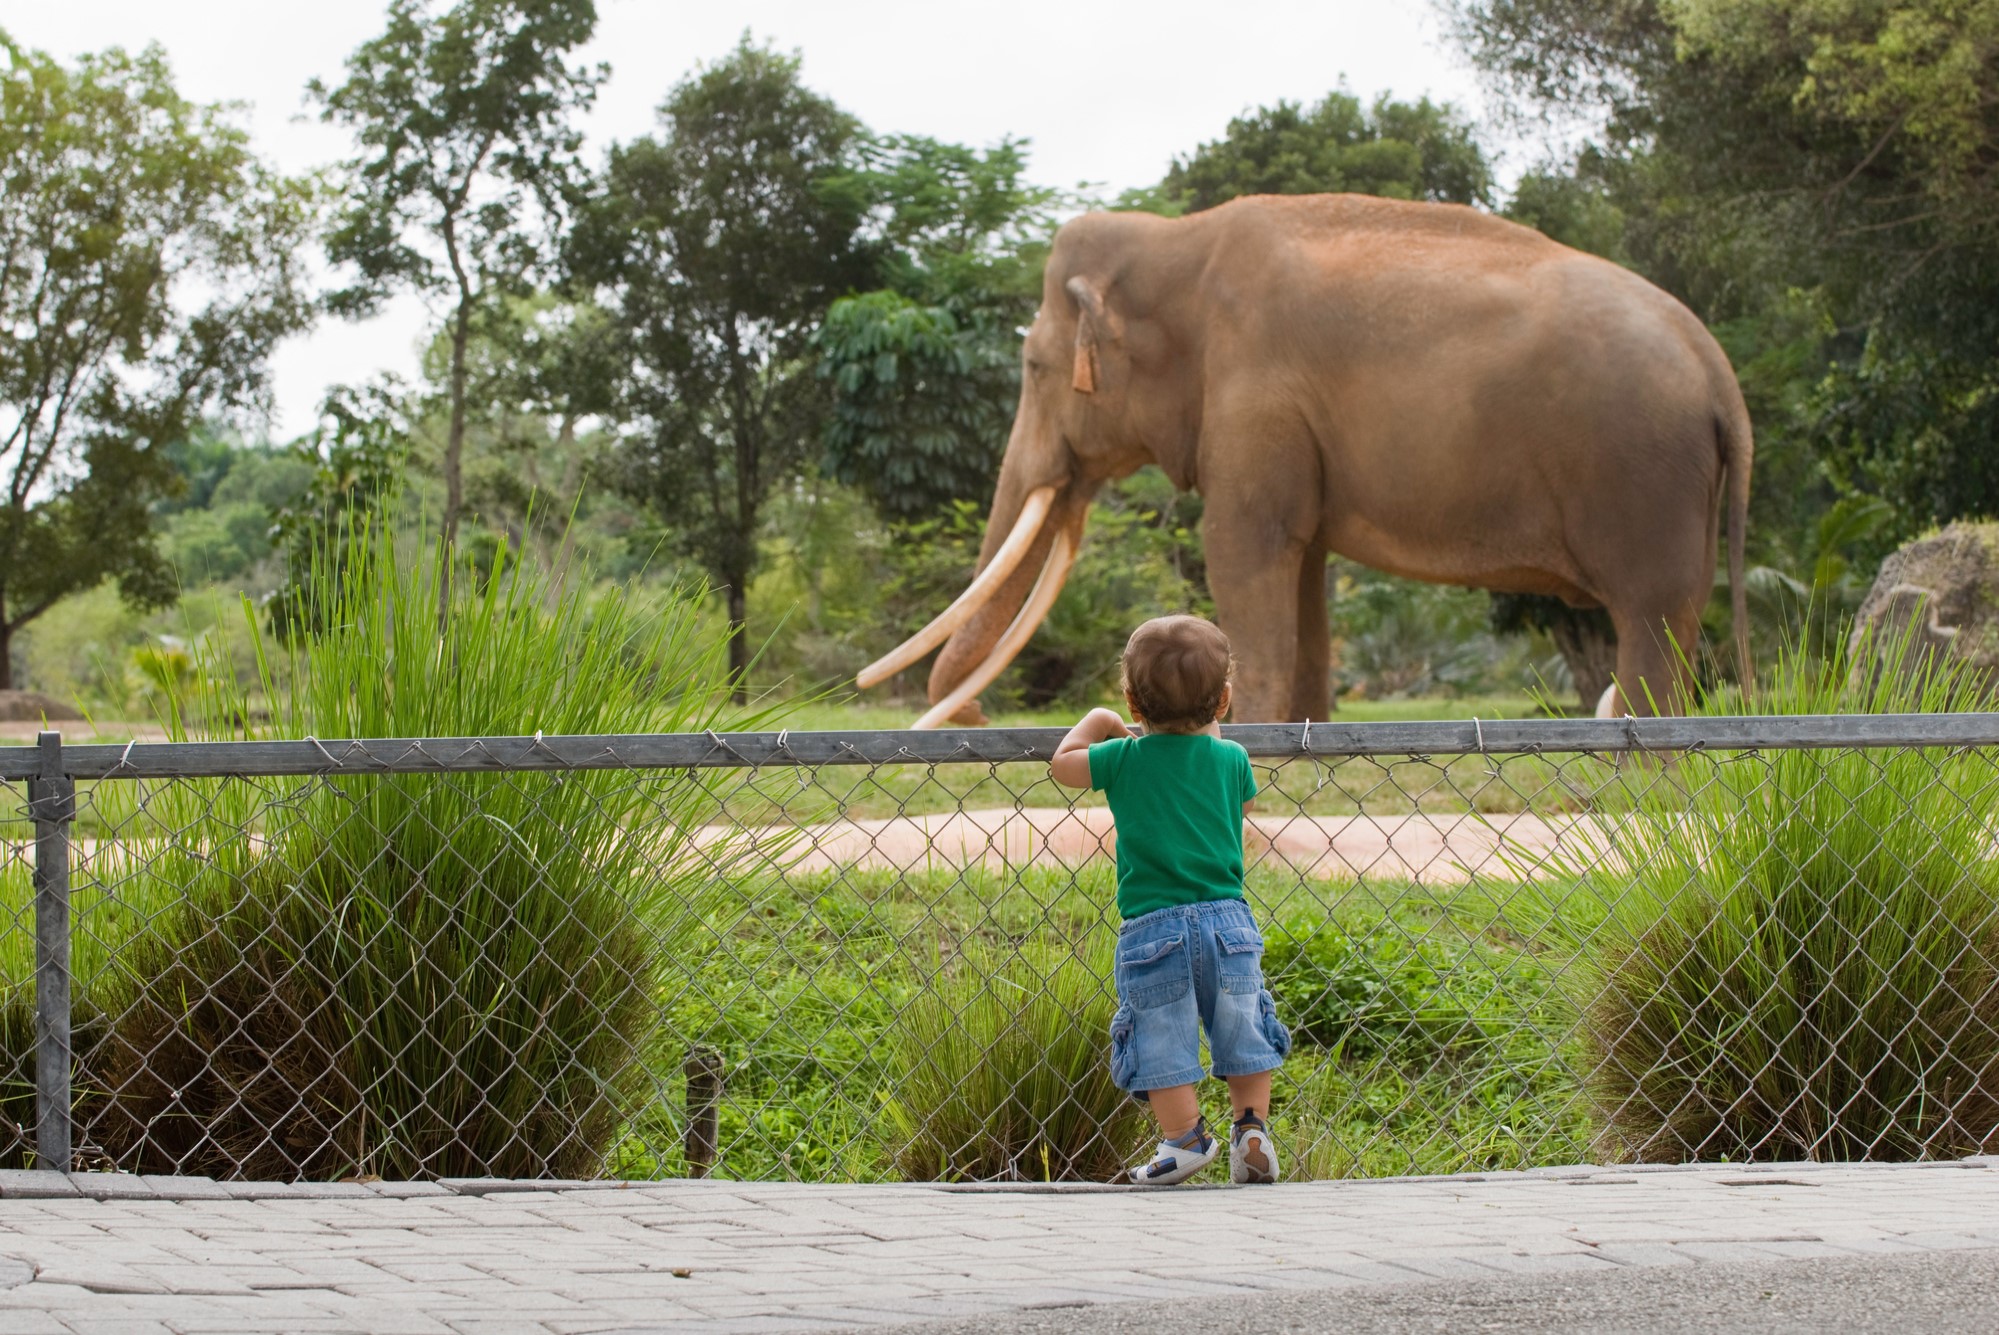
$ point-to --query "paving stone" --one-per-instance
(185, 1188)
(111, 1186)
(20, 1321)
(407, 1190)
(30, 1184)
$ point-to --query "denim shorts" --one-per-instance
(1184, 969)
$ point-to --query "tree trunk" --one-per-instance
(6, 654)
(454, 440)
(739, 641)
(1590, 652)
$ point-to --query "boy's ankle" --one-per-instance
(1248, 1117)
(1192, 1138)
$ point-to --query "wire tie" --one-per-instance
(125, 756)
(321, 746)
(1478, 730)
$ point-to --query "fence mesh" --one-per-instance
(902, 969)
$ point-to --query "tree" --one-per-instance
(468, 159)
(717, 248)
(147, 268)
(1399, 150)
(925, 371)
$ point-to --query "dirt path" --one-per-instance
(1426, 849)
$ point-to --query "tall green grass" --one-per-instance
(416, 975)
(1005, 1070)
(1795, 955)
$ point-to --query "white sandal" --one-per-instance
(1173, 1164)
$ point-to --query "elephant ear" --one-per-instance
(1090, 324)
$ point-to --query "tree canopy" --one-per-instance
(468, 157)
(1399, 150)
(148, 265)
(925, 370)
(716, 247)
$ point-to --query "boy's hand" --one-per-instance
(1071, 765)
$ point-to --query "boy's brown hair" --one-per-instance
(1175, 670)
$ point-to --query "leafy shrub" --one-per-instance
(418, 975)
(1006, 1071)
(1796, 955)
(1391, 990)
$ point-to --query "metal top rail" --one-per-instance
(431, 755)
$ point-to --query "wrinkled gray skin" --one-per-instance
(1422, 388)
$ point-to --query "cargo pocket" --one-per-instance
(1153, 972)
(1273, 1028)
(1241, 959)
(1124, 1056)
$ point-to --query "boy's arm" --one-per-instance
(1071, 765)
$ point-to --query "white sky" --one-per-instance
(1107, 93)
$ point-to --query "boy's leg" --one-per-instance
(1247, 1094)
(1185, 1146)
(1176, 1109)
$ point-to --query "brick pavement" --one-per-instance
(112, 1254)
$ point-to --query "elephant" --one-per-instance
(1423, 388)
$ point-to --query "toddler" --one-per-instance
(1189, 955)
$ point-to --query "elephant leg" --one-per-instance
(1254, 576)
(1655, 654)
(1312, 684)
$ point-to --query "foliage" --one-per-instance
(1797, 958)
(716, 248)
(1812, 615)
(920, 412)
(148, 265)
(356, 457)
(418, 975)
(467, 153)
(925, 371)
(1405, 637)
(1399, 150)
(1006, 1071)
(1367, 990)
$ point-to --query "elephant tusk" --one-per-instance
(1026, 526)
(1061, 555)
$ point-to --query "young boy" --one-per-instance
(1189, 955)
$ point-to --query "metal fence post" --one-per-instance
(52, 803)
(704, 1100)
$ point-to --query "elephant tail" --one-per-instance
(1738, 449)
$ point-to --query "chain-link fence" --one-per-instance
(866, 956)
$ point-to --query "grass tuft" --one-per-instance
(1006, 1071)
(416, 975)
(1795, 955)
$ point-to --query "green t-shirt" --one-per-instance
(1177, 800)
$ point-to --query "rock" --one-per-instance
(1943, 591)
(33, 707)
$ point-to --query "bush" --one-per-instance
(1390, 990)
(1006, 1062)
(416, 975)
(1797, 955)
